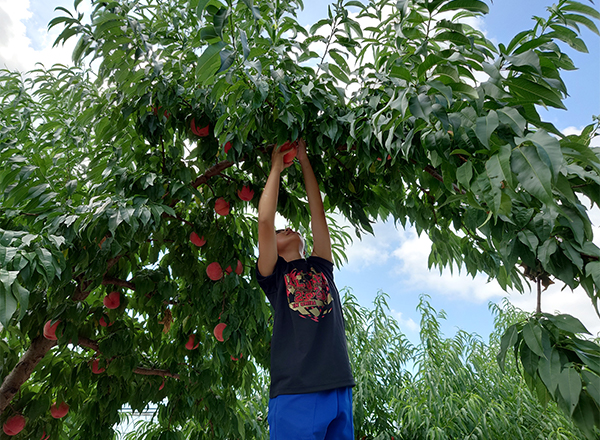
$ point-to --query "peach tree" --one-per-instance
(129, 185)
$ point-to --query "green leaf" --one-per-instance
(549, 370)
(512, 118)
(546, 250)
(509, 339)
(465, 89)
(8, 304)
(533, 92)
(485, 127)
(592, 384)
(209, 62)
(22, 296)
(453, 37)
(46, 260)
(319, 24)
(420, 106)
(581, 8)
(466, 5)
(569, 386)
(464, 174)
(431, 60)
(587, 416)
(567, 323)
(219, 20)
(529, 239)
(593, 269)
(532, 334)
(227, 59)
(255, 10)
(532, 173)
(584, 21)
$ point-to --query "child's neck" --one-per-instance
(290, 255)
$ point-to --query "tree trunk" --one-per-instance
(22, 371)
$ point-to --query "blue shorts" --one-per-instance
(325, 415)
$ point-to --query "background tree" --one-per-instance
(129, 185)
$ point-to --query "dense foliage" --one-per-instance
(125, 179)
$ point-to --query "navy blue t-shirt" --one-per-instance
(309, 352)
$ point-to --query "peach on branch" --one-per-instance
(222, 206)
(200, 132)
(105, 322)
(44, 436)
(162, 385)
(218, 331)
(197, 240)
(246, 193)
(96, 368)
(59, 411)
(228, 147)
(190, 343)
(50, 330)
(214, 271)
(239, 269)
(14, 425)
(293, 149)
(112, 300)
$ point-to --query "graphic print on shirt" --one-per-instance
(308, 293)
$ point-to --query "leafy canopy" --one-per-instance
(109, 167)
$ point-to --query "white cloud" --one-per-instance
(409, 323)
(16, 48)
(413, 256)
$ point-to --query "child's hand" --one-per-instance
(277, 162)
(301, 154)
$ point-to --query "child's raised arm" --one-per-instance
(267, 207)
(318, 221)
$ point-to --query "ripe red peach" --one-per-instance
(14, 425)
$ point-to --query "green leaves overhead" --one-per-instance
(107, 169)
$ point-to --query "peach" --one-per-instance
(246, 194)
(233, 358)
(190, 343)
(112, 300)
(221, 206)
(95, 367)
(50, 330)
(289, 157)
(105, 322)
(14, 425)
(239, 269)
(44, 436)
(200, 132)
(214, 271)
(195, 238)
(228, 147)
(218, 331)
(59, 411)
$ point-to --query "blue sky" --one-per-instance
(394, 260)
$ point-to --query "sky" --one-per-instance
(394, 260)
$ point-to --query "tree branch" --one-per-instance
(212, 171)
(22, 371)
(117, 282)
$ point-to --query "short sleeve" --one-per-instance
(269, 283)
(322, 264)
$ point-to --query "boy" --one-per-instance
(311, 379)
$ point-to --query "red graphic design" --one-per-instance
(308, 294)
